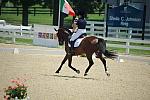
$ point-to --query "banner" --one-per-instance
(125, 16)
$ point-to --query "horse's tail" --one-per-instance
(110, 54)
(103, 50)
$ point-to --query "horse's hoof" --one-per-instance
(107, 73)
(85, 74)
(78, 71)
(57, 72)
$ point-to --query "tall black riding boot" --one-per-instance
(71, 51)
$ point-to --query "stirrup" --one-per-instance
(71, 52)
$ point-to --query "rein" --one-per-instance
(69, 32)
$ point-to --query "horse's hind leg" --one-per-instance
(69, 64)
(104, 63)
(89, 57)
(64, 60)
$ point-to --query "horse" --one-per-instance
(88, 46)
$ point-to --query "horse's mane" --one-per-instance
(67, 29)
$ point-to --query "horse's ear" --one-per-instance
(55, 29)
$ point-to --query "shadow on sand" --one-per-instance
(70, 77)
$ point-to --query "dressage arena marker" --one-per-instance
(16, 51)
(119, 60)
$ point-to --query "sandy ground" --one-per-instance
(129, 80)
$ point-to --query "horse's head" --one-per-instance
(62, 35)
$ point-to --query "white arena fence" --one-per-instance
(125, 35)
(99, 29)
(119, 34)
(14, 32)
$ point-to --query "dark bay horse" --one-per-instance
(88, 46)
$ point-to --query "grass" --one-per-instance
(90, 17)
(132, 51)
(95, 17)
(132, 44)
(5, 40)
(18, 40)
(42, 18)
(24, 41)
(140, 52)
(38, 19)
(13, 19)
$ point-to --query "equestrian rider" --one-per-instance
(79, 28)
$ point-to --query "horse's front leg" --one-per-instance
(64, 60)
(69, 64)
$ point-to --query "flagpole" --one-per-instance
(59, 14)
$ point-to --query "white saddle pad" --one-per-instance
(77, 42)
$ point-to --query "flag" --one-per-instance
(66, 8)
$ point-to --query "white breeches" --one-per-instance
(77, 34)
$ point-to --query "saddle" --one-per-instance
(79, 39)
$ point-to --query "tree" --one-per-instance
(47, 3)
(89, 5)
(25, 13)
(25, 5)
(14, 2)
(55, 12)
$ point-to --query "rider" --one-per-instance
(79, 28)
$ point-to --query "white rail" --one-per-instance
(119, 34)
